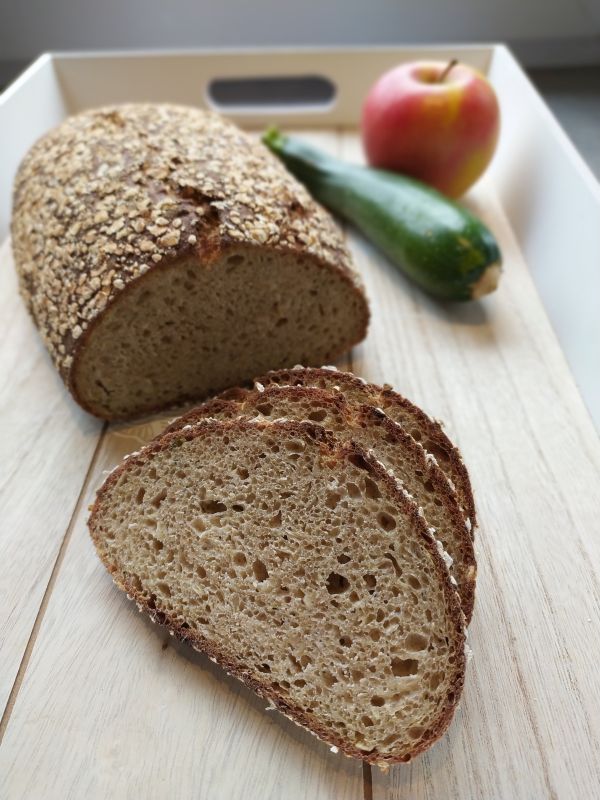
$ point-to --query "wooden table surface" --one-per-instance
(97, 702)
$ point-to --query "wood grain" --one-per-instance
(47, 444)
(529, 725)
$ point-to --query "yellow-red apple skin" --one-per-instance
(443, 132)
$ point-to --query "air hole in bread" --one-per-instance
(370, 580)
(199, 525)
(212, 506)
(359, 461)
(295, 445)
(387, 522)
(200, 571)
(296, 666)
(414, 582)
(371, 489)
(328, 679)
(275, 521)
(243, 473)
(237, 507)
(264, 408)
(375, 634)
(377, 701)
(343, 558)
(416, 732)
(403, 667)
(435, 680)
(333, 498)
(235, 259)
(139, 497)
(417, 641)
(357, 675)
(428, 485)
(366, 721)
(158, 499)
(260, 571)
(239, 559)
(345, 641)
(264, 668)
(317, 416)
(336, 583)
(353, 489)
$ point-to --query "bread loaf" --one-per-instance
(384, 439)
(298, 564)
(164, 254)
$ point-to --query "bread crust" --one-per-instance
(113, 194)
(385, 397)
(233, 402)
(332, 449)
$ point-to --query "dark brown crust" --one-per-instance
(333, 450)
(236, 402)
(433, 438)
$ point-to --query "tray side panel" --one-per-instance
(28, 108)
(552, 201)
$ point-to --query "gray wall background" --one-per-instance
(542, 32)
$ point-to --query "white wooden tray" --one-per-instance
(98, 703)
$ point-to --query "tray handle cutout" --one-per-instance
(256, 95)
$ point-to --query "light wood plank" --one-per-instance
(529, 725)
(132, 714)
(46, 446)
(157, 719)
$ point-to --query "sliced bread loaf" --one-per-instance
(385, 440)
(164, 255)
(298, 564)
(421, 427)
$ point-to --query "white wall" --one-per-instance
(541, 31)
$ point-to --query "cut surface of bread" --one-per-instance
(298, 564)
(422, 428)
(186, 331)
(384, 439)
(164, 254)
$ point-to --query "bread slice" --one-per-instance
(164, 255)
(385, 440)
(298, 564)
(421, 427)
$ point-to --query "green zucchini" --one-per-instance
(439, 244)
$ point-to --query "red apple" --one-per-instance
(435, 121)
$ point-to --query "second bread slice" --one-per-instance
(388, 442)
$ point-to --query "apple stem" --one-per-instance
(449, 66)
